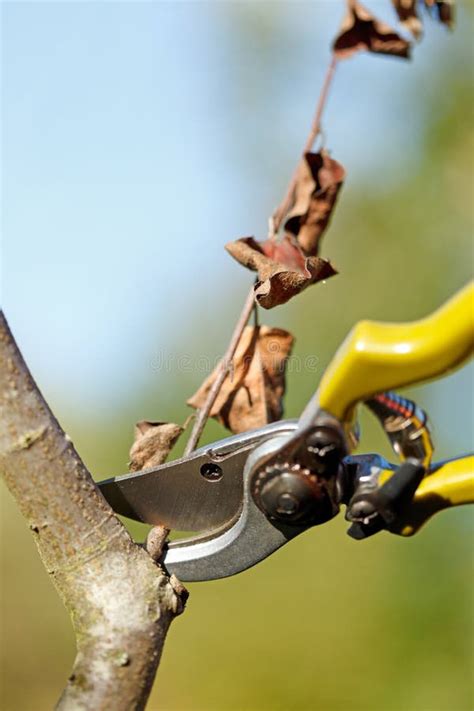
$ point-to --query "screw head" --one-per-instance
(325, 451)
(211, 471)
(287, 504)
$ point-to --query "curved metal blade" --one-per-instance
(179, 496)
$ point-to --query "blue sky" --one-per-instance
(139, 137)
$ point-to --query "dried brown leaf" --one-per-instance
(251, 395)
(408, 15)
(360, 30)
(283, 270)
(153, 442)
(445, 10)
(320, 178)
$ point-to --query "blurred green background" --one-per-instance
(138, 138)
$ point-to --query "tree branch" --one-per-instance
(120, 601)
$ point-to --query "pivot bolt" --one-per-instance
(291, 495)
(287, 504)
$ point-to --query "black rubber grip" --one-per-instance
(399, 490)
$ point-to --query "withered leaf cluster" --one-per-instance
(252, 393)
(361, 31)
(408, 13)
(288, 265)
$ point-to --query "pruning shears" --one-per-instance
(249, 494)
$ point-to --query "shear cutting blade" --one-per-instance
(197, 493)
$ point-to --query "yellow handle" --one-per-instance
(383, 356)
(448, 484)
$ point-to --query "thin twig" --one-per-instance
(225, 365)
(287, 202)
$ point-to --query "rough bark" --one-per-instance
(120, 601)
